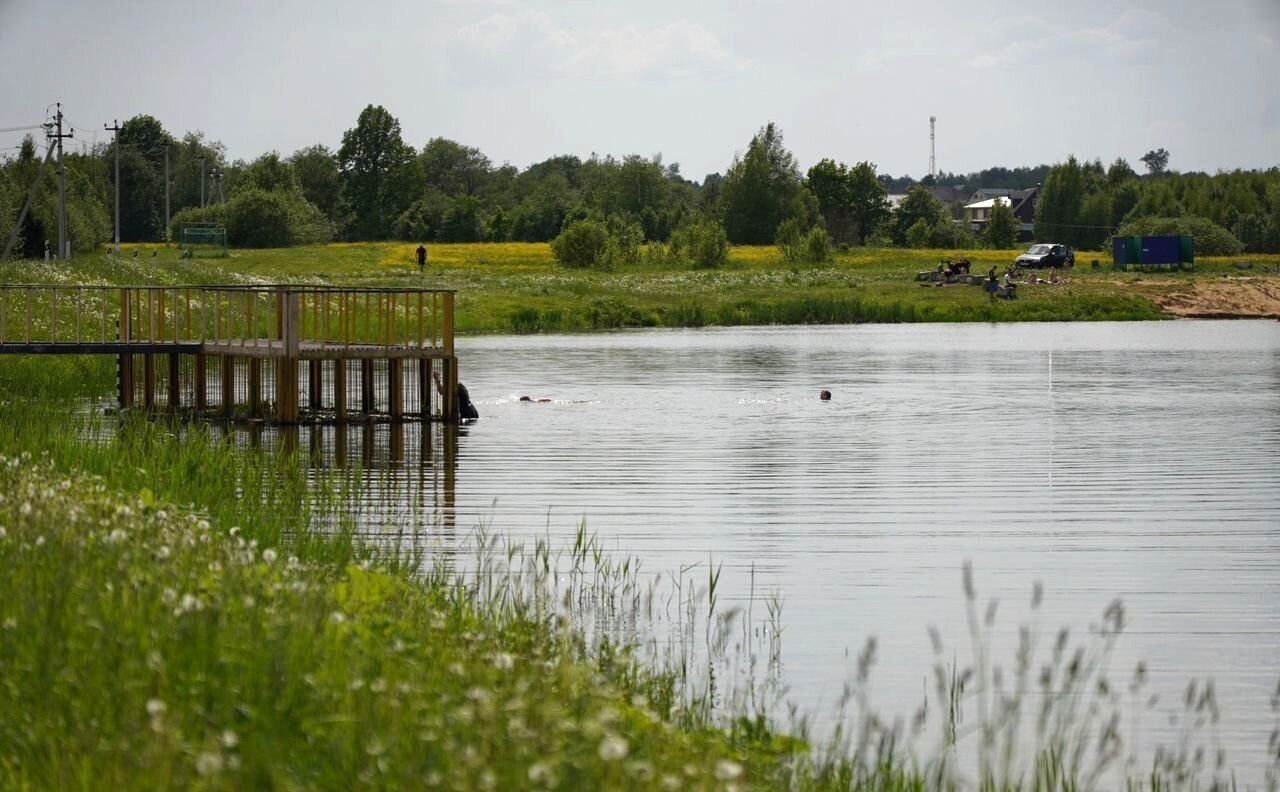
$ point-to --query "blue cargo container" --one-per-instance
(1152, 252)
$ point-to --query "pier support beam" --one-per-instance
(366, 387)
(149, 381)
(175, 383)
(340, 389)
(395, 388)
(124, 379)
(228, 386)
(424, 388)
(315, 384)
(200, 393)
(255, 386)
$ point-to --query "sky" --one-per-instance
(1011, 83)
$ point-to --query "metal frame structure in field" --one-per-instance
(205, 240)
(287, 354)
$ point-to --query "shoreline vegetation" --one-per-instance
(518, 287)
(170, 615)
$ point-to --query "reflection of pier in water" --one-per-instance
(399, 479)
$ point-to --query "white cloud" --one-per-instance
(532, 40)
(1135, 37)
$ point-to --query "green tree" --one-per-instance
(1095, 221)
(379, 173)
(919, 206)
(271, 173)
(317, 171)
(1119, 173)
(917, 235)
(868, 200)
(1058, 210)
(454, 169)
(1002, 227)
(1157, 162)
(762, 189)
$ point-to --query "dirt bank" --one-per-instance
(1223, 298)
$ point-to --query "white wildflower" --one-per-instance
(10, 623)
(269, 555)
(164, 552)
(116, 536)
(25, 508)
(613, 748)
(169, 596)
(503, 661)
(229, 739)
(337, 617)
(208, 764)
(727, 770)
(155, 707)
(202, 525)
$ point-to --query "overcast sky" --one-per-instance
(1011, 83)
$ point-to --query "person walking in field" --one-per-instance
(422, 257)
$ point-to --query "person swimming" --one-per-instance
(825, 395)
(535, 401)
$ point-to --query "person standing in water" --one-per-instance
(466, 409)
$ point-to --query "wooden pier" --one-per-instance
(287, 354)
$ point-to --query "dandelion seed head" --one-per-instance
(613, 748)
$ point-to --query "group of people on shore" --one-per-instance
(1007, 285)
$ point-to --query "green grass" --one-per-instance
(171, 617)
(517, 287)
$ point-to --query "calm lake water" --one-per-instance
(1138, 461)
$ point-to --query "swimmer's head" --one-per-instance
(825, 395)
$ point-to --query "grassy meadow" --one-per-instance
(517, 287)
(170, 616)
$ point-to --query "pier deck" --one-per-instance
(276, 352)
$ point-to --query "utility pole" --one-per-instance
(166, 194)
(202, 159)
(64, 244)
(115, 127)
(216, 176)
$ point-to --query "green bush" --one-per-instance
(258, 219)
(790, 239)
(625, 236)
(583, 245)
(817, 245)
(1210, 239)
(918, 234)
(702, 244)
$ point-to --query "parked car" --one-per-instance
(1047, 255)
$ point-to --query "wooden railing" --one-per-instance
(151, 315)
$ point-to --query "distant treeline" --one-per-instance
(375, 186)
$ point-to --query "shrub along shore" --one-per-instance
(171, 617)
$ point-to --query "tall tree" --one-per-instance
(454, 169)
(1157, 161)
(317, 170)
(1058, 210)
(921, 209)
(762, 189)
(852, 200)
(1002, 227)
(379, 177)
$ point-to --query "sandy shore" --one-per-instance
(1224, 298)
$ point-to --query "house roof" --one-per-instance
(987, 204)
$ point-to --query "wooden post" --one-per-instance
(124, 380)
(424, 388)
(451, 388)
(200, 392)
(175, 383)
(315, 385)
(395, 387)
(287, 365)
(125, 362)
(366, 386)
(255, 386)
(228, 386)
(149, 381)
(340, 389)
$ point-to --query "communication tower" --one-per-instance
(933, 170)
